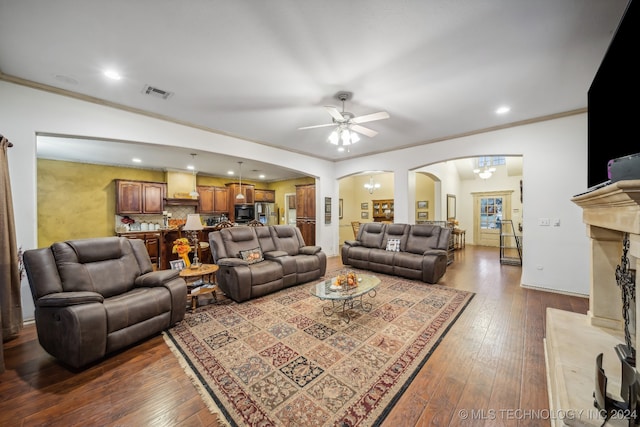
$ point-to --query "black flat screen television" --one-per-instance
(614, 100)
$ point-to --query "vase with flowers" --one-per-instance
(182, 247)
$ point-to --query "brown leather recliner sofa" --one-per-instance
(255, 261)
(95, 296)
(414, 251)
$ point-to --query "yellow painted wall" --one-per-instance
(77, 200)
(353, 194)
(425, 191)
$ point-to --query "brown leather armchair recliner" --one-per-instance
(95, 296)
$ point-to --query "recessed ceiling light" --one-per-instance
(230, 173)
(261, 176)
(340, 148)
(136, 160)
(112, 74)
(191, 167)
(503, 110)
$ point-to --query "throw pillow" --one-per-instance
(393, 245)
(252, 255)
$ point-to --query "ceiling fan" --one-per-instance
(346, 122)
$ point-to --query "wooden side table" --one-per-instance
(459, 238)
(207, 287)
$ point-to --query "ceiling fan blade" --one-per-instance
(370, 117)
(317, 126)
(363, 130)
(333, 111)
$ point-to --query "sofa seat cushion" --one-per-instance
(264, 272)
(408, 260)
(360, 253)
(306, 263)
(135, 306)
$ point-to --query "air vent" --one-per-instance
(158, 93)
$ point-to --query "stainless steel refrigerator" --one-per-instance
(266, 213)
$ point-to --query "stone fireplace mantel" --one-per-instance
(573, 341)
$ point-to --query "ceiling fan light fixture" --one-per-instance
(334, 138)
(346, 137)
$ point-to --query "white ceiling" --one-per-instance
(259, 70)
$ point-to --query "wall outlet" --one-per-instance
(544, 222)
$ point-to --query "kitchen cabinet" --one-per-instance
(139, 197)
(152, 241)
(267, 196)
(382, 210)
(306, 212)
(247, 190)
(213, 199)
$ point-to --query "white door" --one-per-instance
(489, 209)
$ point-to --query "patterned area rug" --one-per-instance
(278, 360)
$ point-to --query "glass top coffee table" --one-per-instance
(345, 299)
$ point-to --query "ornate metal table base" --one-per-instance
(343, 307)
(343, 300)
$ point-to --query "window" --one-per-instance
(490, 212)
(488, 161)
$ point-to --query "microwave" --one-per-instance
(244, 213)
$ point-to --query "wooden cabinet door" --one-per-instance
(221, 199)
(306, 201)
(268, 196)
(247, 190)
(128, 197)
(153, 197)
(308, 230)
(152, 242)
(206, 201)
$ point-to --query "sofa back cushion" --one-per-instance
(104, 265)
(236, 239)
(422, 237)
(287, 238)
(265, 239)
(396, 232)
(371, 235)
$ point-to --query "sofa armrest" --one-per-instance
(231, 262)
(156, 278)
(435, 252)
(274, 254)
(65, 299)
(310, 250)
(352, 243)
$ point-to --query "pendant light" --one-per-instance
(194, 193)
(240, 196)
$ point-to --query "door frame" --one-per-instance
(481, 236)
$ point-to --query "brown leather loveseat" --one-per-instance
(95, 296)
(414, 251)
(255, 261)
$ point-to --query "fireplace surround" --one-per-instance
(573, 341)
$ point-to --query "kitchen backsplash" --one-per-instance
(177, 212)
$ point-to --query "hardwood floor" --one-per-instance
(490, 362)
